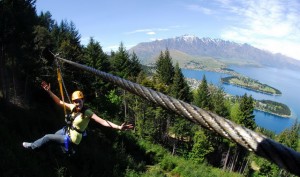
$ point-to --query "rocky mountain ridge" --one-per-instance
(224, 51)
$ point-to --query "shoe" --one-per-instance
(26, 145)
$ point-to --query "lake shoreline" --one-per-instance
(278, 115)
(233, 73)
(249, 88)
(289, 86)
(194, 84)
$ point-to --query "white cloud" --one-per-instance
(111, 48)
(270, 25)
(116, 47)
(147, 30)
(155, 39)
(151, 33)
(199, 8)
(84, 40)
(284, 47)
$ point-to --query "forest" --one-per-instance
(162, 143)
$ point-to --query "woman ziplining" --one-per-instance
(78, 122)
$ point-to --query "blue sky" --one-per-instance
(272, 25)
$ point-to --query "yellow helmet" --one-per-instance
(77, 95)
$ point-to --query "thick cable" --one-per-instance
(273, 151)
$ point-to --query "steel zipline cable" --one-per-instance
(273, 151)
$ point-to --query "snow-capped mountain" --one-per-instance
(224, 51)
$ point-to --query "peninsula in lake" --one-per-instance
(251, 84)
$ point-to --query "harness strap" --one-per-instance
(70, 120)
(76, 129)
(67, 142)
(59, 78)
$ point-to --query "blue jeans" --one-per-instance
(60, 137)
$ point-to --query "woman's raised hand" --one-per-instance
(125, 126)
(46, 86)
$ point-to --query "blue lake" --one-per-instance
(287, 81)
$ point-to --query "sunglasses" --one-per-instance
(77, 101)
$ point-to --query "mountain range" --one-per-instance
(189, 49)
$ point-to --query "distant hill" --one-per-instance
(188, 48)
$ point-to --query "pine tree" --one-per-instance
(290, 136)
(180, 89)
(241, 113)
(120, 62)
(201, 147)
(95, 57)
(96, 89)
(45, 20)
(235, 112)
(67, 45)
(218, 102)
(128, 67)
(202, 95)
(164, 68)
(163, 80)
(247, 108)
(181, 127)
(135, 67)
(18, 57)
(218, 143)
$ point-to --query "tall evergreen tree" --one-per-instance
(68, 39)
(144, 112)
(203, 96)
(163, 80)
(217, 142)
(290, 136)
(43, 30)
(218, 102)
(67, 45)
(247, 108)
(135, 66)
(201, 147)
(17, 57)
(179, 88)
(235, 112)
(120, 62)
(165, 68)
(45, 20)
(241, 113)
(180, 127)
(96, 58)
(126, 66)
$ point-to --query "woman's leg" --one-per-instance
(61, 131)
(55, 138)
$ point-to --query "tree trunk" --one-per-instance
(246, 165)
(2, 78)
(241, 167)
(226, 159)
(174, 146)
(230, 164)
(236, 158)
(125, 105)
(14, 94)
